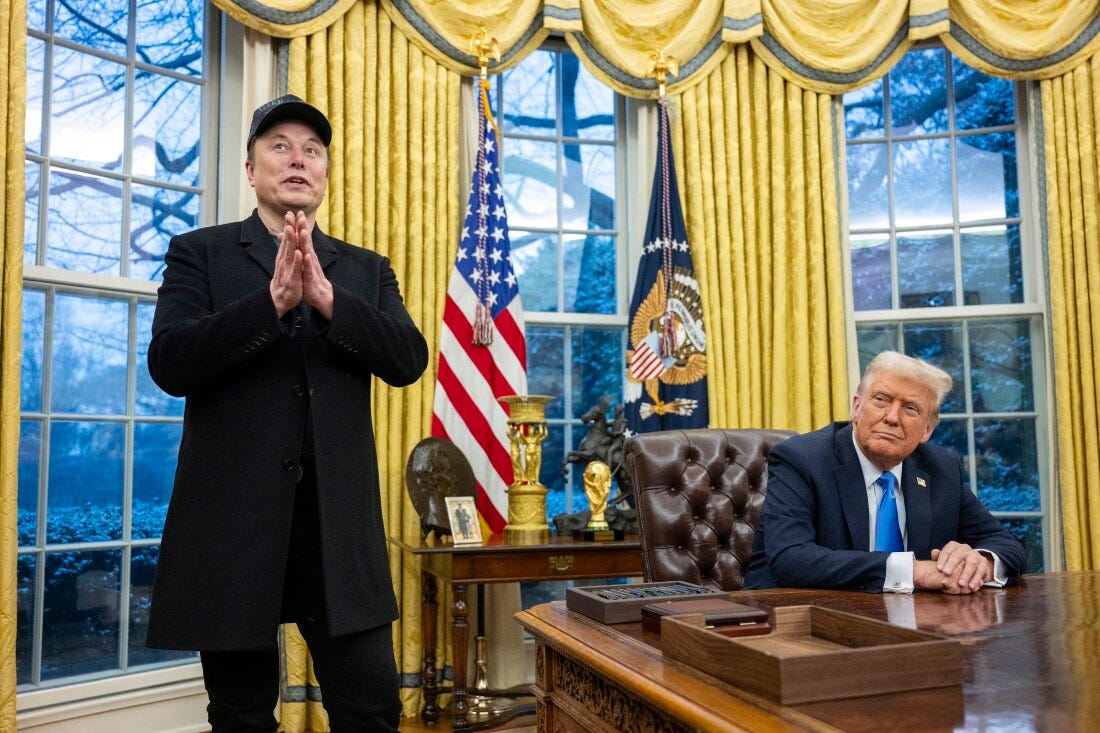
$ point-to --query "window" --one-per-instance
(116, 164)
(944, 268)
(560, 161)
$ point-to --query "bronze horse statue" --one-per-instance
(605, 443)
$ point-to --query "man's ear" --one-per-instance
(248, 170)
(928, 430)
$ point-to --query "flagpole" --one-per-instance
(666, 385)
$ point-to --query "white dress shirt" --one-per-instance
(899, 565)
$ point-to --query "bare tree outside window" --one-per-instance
(116, 96)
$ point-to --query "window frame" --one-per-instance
(1034, 304)
(100, 692)
(627, 225)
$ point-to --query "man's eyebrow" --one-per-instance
(284, 136)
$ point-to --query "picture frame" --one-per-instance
(465, 527)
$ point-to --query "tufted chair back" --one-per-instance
(699, 494)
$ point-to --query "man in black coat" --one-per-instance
(870, 505)
(273, 331)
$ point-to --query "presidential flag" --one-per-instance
(482, 350)
(666, 363)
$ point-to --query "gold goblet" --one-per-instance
(527, 495)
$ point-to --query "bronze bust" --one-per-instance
(437, 469)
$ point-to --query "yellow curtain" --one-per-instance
(13, 78)
(392, 187)
(756, 157)
(1068, 140)
(285, 18)
(822, 45)
(444, 30)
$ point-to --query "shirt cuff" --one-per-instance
(1000, 575)
(899, 573)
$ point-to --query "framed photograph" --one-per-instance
(465, 527)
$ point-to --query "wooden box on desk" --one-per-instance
(816, 653)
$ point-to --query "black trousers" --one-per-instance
(357, 672)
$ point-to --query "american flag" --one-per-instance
(482, 348)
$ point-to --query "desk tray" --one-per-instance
(622, 603)
(816, 653)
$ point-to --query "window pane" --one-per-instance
(79, 510)
(871, 284)
(588, 188)
(101, 24)
(34, 344)
(149, 399)
(142, 570)
(992, 265)
(157, 215)
(926, 269)
(80, 624)
(1000, 366)
(951, 434)
(598, 364)
(30, 458)
(24, 620)
(36, 15)
(169, 34)
(922, 182)
(588, 105)
(33, 183)
(1028, 531)
(1008, 467)
(867, 186)
(988, 182)
(528, 90)
(590, 274)
(167, 125)
(981, 100)
(553, 453)
(535, 259)
(546, 366)
(863, 116)
(156, 446)
(84, 231)
(87, 88)
(918, 93)
(90, 338)
(530, 183)
(871, 340)
(940, 344)
(36, 64)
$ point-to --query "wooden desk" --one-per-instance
(1031, 661)
(496, 562)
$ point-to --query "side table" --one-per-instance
(494, 561)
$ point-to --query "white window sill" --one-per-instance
(170, 700)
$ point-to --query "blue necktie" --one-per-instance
(887, 530)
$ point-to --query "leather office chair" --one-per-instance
(699, 495)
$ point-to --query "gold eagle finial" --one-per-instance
(661, 66)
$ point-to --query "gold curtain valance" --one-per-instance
(285, 18)
(444, 30)
(822, 45)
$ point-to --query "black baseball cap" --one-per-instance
(289, 107)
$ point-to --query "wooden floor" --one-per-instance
(524, 724)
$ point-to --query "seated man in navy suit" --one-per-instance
(871, 505)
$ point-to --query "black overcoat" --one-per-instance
(251, 379)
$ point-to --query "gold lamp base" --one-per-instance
(527, 495)
(527, 515)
